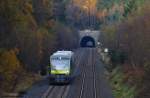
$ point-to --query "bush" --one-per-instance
(117, 57)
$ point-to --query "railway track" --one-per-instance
(89, 83)
(94, 76)
(86, 89)
(83, 78)
(56, 92)
(49, 90)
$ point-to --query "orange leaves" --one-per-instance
(86, 5)
(133, 76)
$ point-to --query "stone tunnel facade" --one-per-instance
(88, 38)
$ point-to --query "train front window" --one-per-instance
(60, 63)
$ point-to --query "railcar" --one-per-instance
(61, 67)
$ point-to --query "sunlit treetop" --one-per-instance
(86, 5)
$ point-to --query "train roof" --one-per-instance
(62, 53)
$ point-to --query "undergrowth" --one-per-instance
(119, 87)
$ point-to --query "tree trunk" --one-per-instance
(38, 10)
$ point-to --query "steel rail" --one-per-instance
(94, 76)
(84, 76)
(48, 91)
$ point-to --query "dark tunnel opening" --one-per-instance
(87, 41)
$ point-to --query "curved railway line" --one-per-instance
(88, 83)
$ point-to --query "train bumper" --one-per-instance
(59, 78)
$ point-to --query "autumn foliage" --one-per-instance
(132, 37)
(10, 68)
(30, 30)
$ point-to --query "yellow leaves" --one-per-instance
(90, 3)
(9, 63)
(28, 8)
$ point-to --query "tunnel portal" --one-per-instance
(87, 41)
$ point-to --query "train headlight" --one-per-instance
(67, 71)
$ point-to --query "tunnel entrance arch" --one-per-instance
(87, 41)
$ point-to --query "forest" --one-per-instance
(127, 33)
(29, 33)
(31, 30)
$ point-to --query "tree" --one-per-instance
(42, 10)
